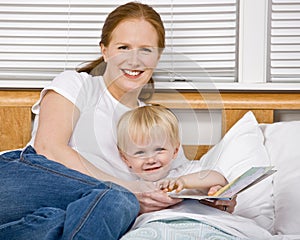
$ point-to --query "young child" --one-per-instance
(148, 141)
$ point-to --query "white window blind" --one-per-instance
(285, 41)
(39, 39)
(201, 39)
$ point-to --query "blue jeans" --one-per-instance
(42, 199)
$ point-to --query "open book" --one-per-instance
(241, 183)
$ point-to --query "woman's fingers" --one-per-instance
(223, 205)
(154, 201)
(150, 197)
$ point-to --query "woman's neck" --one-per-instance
(129, 99)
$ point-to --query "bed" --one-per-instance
(247, 125)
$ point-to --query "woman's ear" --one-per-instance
(103, 51)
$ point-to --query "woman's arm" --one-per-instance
(57, 119)
(58, 116)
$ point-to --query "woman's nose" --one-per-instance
(133, 58)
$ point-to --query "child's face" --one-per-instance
(150, 160)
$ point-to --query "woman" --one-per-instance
(78, 113)
(74, 127)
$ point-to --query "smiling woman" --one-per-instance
(132, 56)
(73, 147)
(75, 116)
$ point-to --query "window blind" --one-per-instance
(39, 39)
(284, 54)
(201, 39)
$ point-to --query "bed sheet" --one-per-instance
(181, 229)
(242, 228)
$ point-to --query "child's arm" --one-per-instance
(202, 180)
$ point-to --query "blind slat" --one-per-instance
(39, 39)
(285, 41)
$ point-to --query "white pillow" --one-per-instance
(241, 148)
(282, 144)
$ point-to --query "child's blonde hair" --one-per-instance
(138, 125)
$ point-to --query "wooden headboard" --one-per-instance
(16, 117)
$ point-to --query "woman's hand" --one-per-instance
(224, 205)
(154, 201)
(150, 197)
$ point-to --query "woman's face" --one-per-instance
(131, 57)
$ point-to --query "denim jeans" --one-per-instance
(42, 199)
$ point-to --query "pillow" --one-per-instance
(282, 145)
(241, 148)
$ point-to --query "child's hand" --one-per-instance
(213, 190)
(224, 205)
(170, 184)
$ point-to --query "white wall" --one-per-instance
(202, 127)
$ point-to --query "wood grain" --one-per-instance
(16, 117)
(231, 116)
(227, 100)
(15, 127)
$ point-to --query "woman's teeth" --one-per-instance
(132, 73)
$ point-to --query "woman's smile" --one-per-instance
(132, 73)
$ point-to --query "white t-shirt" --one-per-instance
(94, 135)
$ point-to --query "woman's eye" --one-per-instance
(146, 50)
(122, 47)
